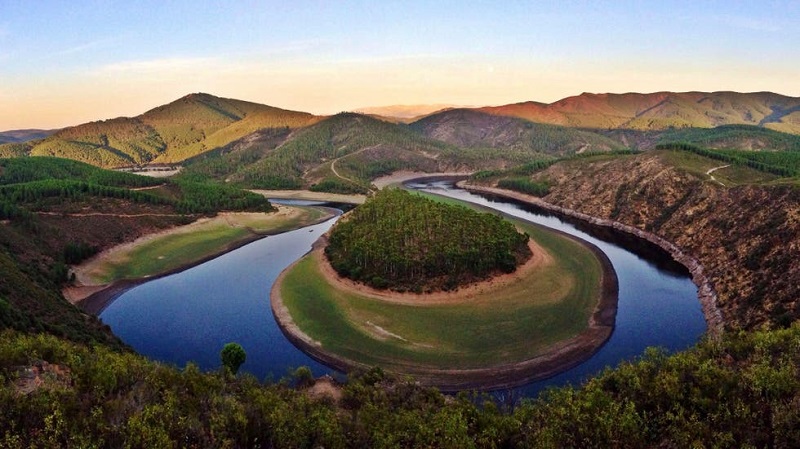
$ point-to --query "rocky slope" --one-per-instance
(746, 237)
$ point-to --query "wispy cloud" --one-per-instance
(84, 47)
(163, 65)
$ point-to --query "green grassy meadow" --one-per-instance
(174, 250)
(511, 323)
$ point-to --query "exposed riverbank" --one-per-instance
(105, 276)
(554, 359)
(706, 293)
(312, 196)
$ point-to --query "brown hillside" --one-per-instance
(751, 252)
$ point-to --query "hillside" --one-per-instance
(187, 127)
(662, 110)
(342, 153)
(740, 137)
(345, 152)
(474, 129)
(750, 252)
(58, 212)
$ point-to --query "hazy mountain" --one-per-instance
(662, 110)
(174, 132)
(24, 135)
(404, 112)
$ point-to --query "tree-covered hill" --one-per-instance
(344, 153)
(474, 129)
(346, 149)
(403, 241)
(737, 137)
(189, 126)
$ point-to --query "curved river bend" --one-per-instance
(190, 315)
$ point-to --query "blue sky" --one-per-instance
(66, 62)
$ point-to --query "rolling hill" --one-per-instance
(261, 146)
(170, 133)
(344, 152)
(662, 110)
(474, 129)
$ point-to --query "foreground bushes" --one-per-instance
(742, 391)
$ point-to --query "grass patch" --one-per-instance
(508, 324)
(188, 244)
(699, 165)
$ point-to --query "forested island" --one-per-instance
(402, 241)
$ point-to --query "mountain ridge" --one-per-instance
(191, 125)
(661, 110)
(202, 124)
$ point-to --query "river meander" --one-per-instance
(189, 316)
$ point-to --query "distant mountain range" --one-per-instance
(24, 135)
(267, 146)
(405, 112)
(662, 110)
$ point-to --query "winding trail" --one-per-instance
(712, 170)
(336, 172)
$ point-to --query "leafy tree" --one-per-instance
(303, 377)
(233, 356)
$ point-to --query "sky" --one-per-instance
(68, 62)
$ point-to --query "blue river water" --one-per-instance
(189, 316)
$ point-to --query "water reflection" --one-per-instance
(190, 315)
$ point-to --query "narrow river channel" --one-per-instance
(190, 315)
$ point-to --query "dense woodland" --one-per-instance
(778, 163)
(745, 137)
(403, 241)
(741, 391)
(29, 184)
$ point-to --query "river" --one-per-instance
(190, 315)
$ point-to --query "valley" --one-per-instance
(710, 177)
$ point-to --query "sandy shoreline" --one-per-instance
(557, 359)
(312, 196)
